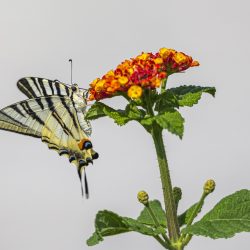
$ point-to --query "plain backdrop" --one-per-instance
(40, 200)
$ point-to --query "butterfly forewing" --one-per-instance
(34, 87)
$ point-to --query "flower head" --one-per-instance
(146, 71)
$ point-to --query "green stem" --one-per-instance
(172, 222)
(163, 85)
(187, 237)
(158, 225)
(161, 241)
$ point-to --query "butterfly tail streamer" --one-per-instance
(86, 186)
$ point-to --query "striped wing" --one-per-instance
(54, 120)
(34, 87)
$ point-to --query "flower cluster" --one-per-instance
(147, 70)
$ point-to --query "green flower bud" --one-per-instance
(177, 194)
(142, 197)
(209, 186)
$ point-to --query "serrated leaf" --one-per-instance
(165, 101)
(159, 213)
(184, 217)
(136, 226)
(100, 109)
(120, 117)
(108, 223)
(190, 95)
(133, 112)
(96, 111)
(230, 216)
(172, 121)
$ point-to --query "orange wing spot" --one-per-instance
(81, 144)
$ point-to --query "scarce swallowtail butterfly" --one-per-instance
(55, 113)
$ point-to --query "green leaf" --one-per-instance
(96, 111)
(108, 223)
(190, 95)
(184, 217)
(136, 226)
(133, 112)
(94, 239)
(230, 216)
(100, 109)
(120, 117)
(159, 213)
(165, 101)
(172, 121)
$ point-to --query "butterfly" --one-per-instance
(55, 113)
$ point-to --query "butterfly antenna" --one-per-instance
(71, 65)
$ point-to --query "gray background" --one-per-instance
(41, 205)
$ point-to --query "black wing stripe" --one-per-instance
(26, 88)
(31, 92)
(35, 83)
(51, 87)
(35, 87)
(29, 111)
(56, 116)
(58, 90)
(12, 119)
(15, 108)
(41, 84)
(67, 91)
(70, 113)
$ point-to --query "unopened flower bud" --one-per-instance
(143, 197)
(177, 194)
(209, 186)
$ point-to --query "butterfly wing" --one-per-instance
(49, 119)
(34, 87)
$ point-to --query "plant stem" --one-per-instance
(187, 237)
(172, 223)
(158, 225)
(161, 241)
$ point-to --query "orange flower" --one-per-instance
(147, 70)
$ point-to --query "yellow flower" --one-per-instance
(158, 60)
(123, 80)
(130, 71)
(115, 84)
(135, 92)
(143, 56)
(93, 83)
(110, 73)
(164, 52)
(156, 83)
(99, 86)
(179, 57)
